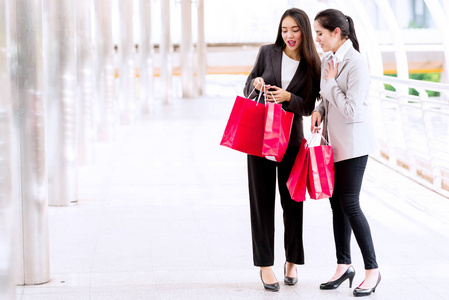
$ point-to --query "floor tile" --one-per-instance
(164, 214)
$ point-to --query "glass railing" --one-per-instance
(413, 129)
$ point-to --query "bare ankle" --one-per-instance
(268, 275)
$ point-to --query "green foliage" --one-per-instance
(389, 87)
(414, 24)
(433, 77)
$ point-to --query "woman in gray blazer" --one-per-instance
(344, 90)
(290, 69)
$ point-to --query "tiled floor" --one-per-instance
(164, 215)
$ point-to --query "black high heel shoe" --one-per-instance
(358, 292)
(332, 285)
(274, 287)
(290, 280)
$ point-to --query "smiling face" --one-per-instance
(292, 36)
(329, 41)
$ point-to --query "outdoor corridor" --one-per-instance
(164, 214)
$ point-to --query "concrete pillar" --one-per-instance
(8, 163)
(201, 51)
(127, 72)
(166, 53)
(187, 54)
(60, 94)
(29, 123)
(145, 55)
(86, 82)
(106, 106)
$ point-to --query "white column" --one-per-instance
(106, 106)
(86, 82)
(187, 56)
(60, 94)
(146, 54)
(8, 163)
(201, 51)
(29, 124)
(127, 72)
(165, 53)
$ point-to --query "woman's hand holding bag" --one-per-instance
(245, 128)
(278, 126)
(258, 129)
(313, 169)
(321, 170)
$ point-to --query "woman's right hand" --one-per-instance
(316, 122)
(258, 83)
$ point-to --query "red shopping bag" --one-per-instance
(297, 181)
(321, 172)
(245, 127)
(278, 126)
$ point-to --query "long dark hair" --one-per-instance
(307, 49)
(333, 18)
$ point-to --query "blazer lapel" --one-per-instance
(276, 60)
(342, 64)
(298, 77)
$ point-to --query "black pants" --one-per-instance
(347, 214)
(262, 191)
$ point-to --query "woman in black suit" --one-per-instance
(290, 70)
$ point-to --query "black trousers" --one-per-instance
(262, 191)
(347, 214)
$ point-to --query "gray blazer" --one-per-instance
(345, 108)
(268, 66)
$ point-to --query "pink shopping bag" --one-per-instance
(297, 181)
(278, 126)
(321, 172)
(245, 128)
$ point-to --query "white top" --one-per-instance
(288, 70)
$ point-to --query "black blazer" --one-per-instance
(268, 66)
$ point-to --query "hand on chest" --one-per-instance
(334, 71)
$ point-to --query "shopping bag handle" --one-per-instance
(313, 137)
(260, 94)
(255, 89)
(274, 98)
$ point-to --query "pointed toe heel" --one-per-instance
(273, 287)
(332, 285)
(290, 280)
(358, 292)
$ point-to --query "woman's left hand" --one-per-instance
(278, 95)
(331, 71)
